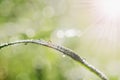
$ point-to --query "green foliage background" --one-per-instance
(44, 19)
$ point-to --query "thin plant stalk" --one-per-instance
(62, 49)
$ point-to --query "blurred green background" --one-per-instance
(65, 22)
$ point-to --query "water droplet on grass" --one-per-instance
(63, 55)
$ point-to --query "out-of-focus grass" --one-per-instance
(63, 22)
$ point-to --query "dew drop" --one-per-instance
(63, 55)
(25, 43)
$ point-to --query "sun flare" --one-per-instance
(104, 28)
(103, 10)
(109, 8)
